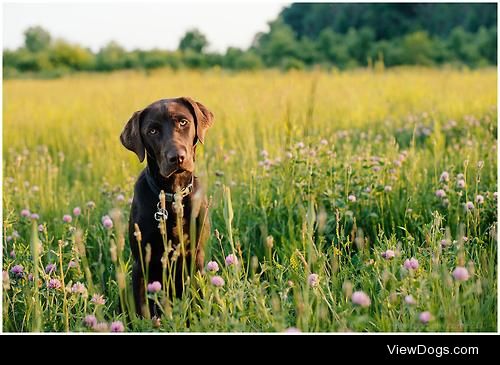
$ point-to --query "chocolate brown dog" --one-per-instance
(167, 133)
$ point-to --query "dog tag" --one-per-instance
(161, 213)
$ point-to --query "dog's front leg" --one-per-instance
(138, 288)
(202, 235)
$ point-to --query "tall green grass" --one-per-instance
(306, 173)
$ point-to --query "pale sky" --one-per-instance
(141, 25)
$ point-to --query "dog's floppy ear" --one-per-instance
(131, 136)
(204, 117)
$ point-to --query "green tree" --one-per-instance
(238, 59)
(486, 40)
(111, 57)
(193, 59)
(464, 46)
(26, 61)
(388, 20)
(71, 56)
(194, 41)
(359, 43)
(154, 59)
(418, 49)
(277, 45)
(36, 39)
(249, 60)
(332, 49)
(308, 53)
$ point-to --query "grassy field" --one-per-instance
(356, 201)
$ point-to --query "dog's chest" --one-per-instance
(175, 228)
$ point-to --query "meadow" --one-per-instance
(361, 201)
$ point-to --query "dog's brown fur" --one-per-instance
(166, 133)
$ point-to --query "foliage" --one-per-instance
(36, 39)
(388, 21)
(305, 35)
(194, 41)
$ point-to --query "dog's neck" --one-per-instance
(172, 184)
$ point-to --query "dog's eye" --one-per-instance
(183, 122)
(153, 131)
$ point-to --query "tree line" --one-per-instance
(304, 35)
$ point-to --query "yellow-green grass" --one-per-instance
(383, 137)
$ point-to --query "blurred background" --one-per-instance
(50, 40)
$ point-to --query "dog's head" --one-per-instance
(168, 131)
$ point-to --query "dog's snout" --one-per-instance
(176, 157)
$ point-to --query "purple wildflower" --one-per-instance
(445, 242)
(411, 264)
(444, 176)
(67, 218)
(425, 317)
(410, 300)
(440, 193)
(231, 259)
(78, 288)
(361, 298)
(217, 281)
(50, 268)
(107, 222)
(17, 270)
(154, 287)
(90, 320)
(313, 280)
(98, 299)
(212, 266)
(77, 211)
(117, 326)
(460, 274)
(389, 254)
(54, 284)
(469, 206)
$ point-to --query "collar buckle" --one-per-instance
(161, 214)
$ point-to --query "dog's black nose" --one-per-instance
(176, 157)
